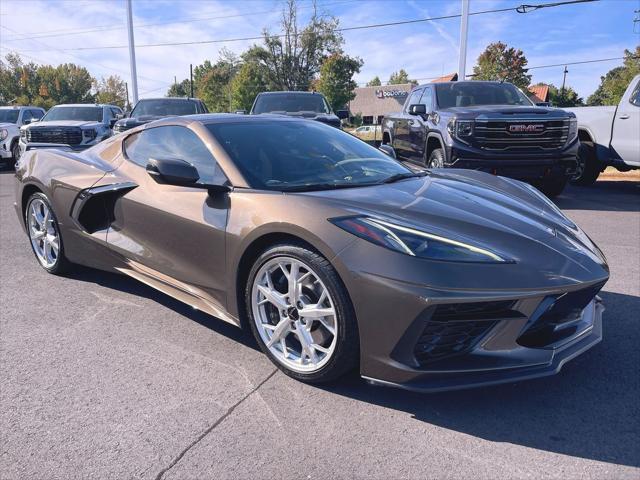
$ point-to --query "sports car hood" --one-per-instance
(502, 215)
(66, 123)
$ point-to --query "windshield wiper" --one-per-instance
(402, 176)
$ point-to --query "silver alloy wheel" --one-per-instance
(43, 233)
(294, 314)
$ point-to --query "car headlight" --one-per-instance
(4, 133)
(23, 134)
(90, 134)
(460, 129)
(573, 130)
(414, 242)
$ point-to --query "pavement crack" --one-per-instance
(216, 423)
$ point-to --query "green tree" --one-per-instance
(292, 59)
(374, 82)
(72, 84)
(111, 90)
(213, 81)
(336, 79)
(400, 77)
(182, 89)
(567, 98)
(503, 63)
(248, 82)
(615, 82)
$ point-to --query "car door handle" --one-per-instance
(624, 116)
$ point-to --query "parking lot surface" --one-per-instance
(103, 377)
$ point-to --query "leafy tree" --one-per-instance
(374, 82)
(400, 77)
(111, 90)
(336, 79)
(503, 63)
(182, 89)
(248, 82)
(615, 82)
(567, 98)
(213, 81)
(293, 59)
(72, 84)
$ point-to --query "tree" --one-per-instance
(336, 79)
(181, 89)
(374, 82)
(248, 82)
(503, 63)
(73, 84)
(400, 77)
(567, 98)
(111, 90)
(293, 59)
(213, 81)
(615, 82)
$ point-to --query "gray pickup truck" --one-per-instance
(609, 136)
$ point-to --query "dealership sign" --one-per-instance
(390, 93)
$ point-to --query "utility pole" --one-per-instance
(464, 28)
(191, 77)
(132, 54)
(564, 79)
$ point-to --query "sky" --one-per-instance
(66, 31)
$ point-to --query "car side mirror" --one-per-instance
(342, 114)
(112, 122)
(418, 109)
(27, 121)
(388, 150)
(172, 172)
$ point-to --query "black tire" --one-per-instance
(15, 152)
(553, 186)
(588, 168)
(62, 264)
(436, 159)
(346, 355)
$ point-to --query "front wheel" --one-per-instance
(587, 167)
(301, 315)
(436, 159)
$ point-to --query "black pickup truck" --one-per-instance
(489, 126)
(309, 105)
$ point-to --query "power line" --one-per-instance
(111, 27)
(344, 29)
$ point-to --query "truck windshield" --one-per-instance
(290, 103)
(82, 114)
(471, 94)
(164, 108)
(8, 115)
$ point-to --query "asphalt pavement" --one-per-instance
(102, 377)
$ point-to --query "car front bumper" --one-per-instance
(25, 147)
(432, 338)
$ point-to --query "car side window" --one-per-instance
(173, 142)
(635, 96)
(427, 99)
(35, 114)
(414, 98)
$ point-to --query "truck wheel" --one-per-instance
(15, 152)
(436, 159)
(588, 167)
(553, 186)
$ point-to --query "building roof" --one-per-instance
(376, 101)
(452, 77)
(540, 92)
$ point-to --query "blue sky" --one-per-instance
(580, 32)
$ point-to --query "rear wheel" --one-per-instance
(15, 152)
(301, 315)
(587, 167)
(436, 159)
(44, 233)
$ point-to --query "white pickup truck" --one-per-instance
(609, 136)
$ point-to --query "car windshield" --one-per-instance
(471, 94)
(8, 115)
(164, 108)
(290, 103)
(303, 155)
(82, 114)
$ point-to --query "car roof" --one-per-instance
(466, 82)
(18, 107)
(213, 118)
(85, 105)
(190, 99)
(289, 92)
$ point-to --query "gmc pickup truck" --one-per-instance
(609, 136)
(309, 105)
(11, 119)
(489, 126)
(150, 109)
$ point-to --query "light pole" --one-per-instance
(132, 55)
(464, 28)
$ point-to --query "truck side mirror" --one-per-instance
(342, 114)
(418, 109)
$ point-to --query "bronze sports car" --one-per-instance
(331, 251)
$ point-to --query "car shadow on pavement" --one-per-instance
(131, 286)
(604, 195)
(589, 410)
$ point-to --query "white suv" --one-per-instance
(11, 119)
